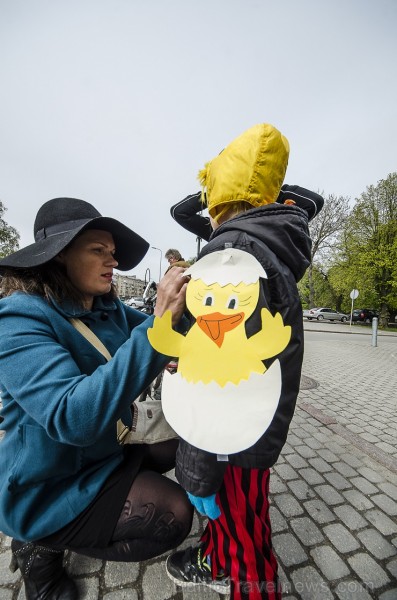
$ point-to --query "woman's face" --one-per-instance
(89, 263)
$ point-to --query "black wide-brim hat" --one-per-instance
(60, 220)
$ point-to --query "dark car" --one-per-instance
(364, 315)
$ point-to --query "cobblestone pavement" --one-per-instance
(333, 490)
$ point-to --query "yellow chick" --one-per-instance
(222, 294)
(220, 369)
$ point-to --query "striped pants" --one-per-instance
(239, 541)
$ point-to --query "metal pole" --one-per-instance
(161, 258)
(374, 332)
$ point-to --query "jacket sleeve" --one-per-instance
(311, 202)
(199, 472)
(186, 213)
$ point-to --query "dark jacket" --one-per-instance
(278, 237)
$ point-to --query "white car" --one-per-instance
(325, 313)
(135, 302)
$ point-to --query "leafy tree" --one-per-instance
(9, 236)
(370, 246)
(359, 252)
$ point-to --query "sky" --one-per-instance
(122, 102)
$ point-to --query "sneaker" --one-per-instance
(189, 567)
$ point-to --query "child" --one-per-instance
(247, 212)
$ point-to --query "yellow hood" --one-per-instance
(251, 168)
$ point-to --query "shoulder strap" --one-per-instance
(91, 337)
(122, 430)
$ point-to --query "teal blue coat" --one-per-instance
(61, 401)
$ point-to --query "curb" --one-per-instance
(368, 333)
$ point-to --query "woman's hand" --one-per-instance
(171, 293)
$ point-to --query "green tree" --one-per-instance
(368, 252)
(9, 236)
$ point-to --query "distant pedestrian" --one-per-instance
(175, 259)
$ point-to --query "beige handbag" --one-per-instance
(148, 422)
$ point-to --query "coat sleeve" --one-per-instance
(311, 202)
(199, 472)
(186, 213)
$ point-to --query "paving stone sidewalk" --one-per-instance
(333, 492)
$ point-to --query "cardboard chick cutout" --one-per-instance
(222, 398)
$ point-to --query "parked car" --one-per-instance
(135, 302)
(364, 315)
(325, 313)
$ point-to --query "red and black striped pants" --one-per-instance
(239, 541)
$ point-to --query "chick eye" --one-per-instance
(208, 300)
(232, 302)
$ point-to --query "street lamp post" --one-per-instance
(161, 258)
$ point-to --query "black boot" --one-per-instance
(42, 571)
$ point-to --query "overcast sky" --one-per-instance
(121, 102)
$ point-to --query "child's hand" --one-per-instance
(205, 506)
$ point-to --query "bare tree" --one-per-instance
(325, 230)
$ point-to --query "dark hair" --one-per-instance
(49, 281)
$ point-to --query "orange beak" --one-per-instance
(215, 325)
